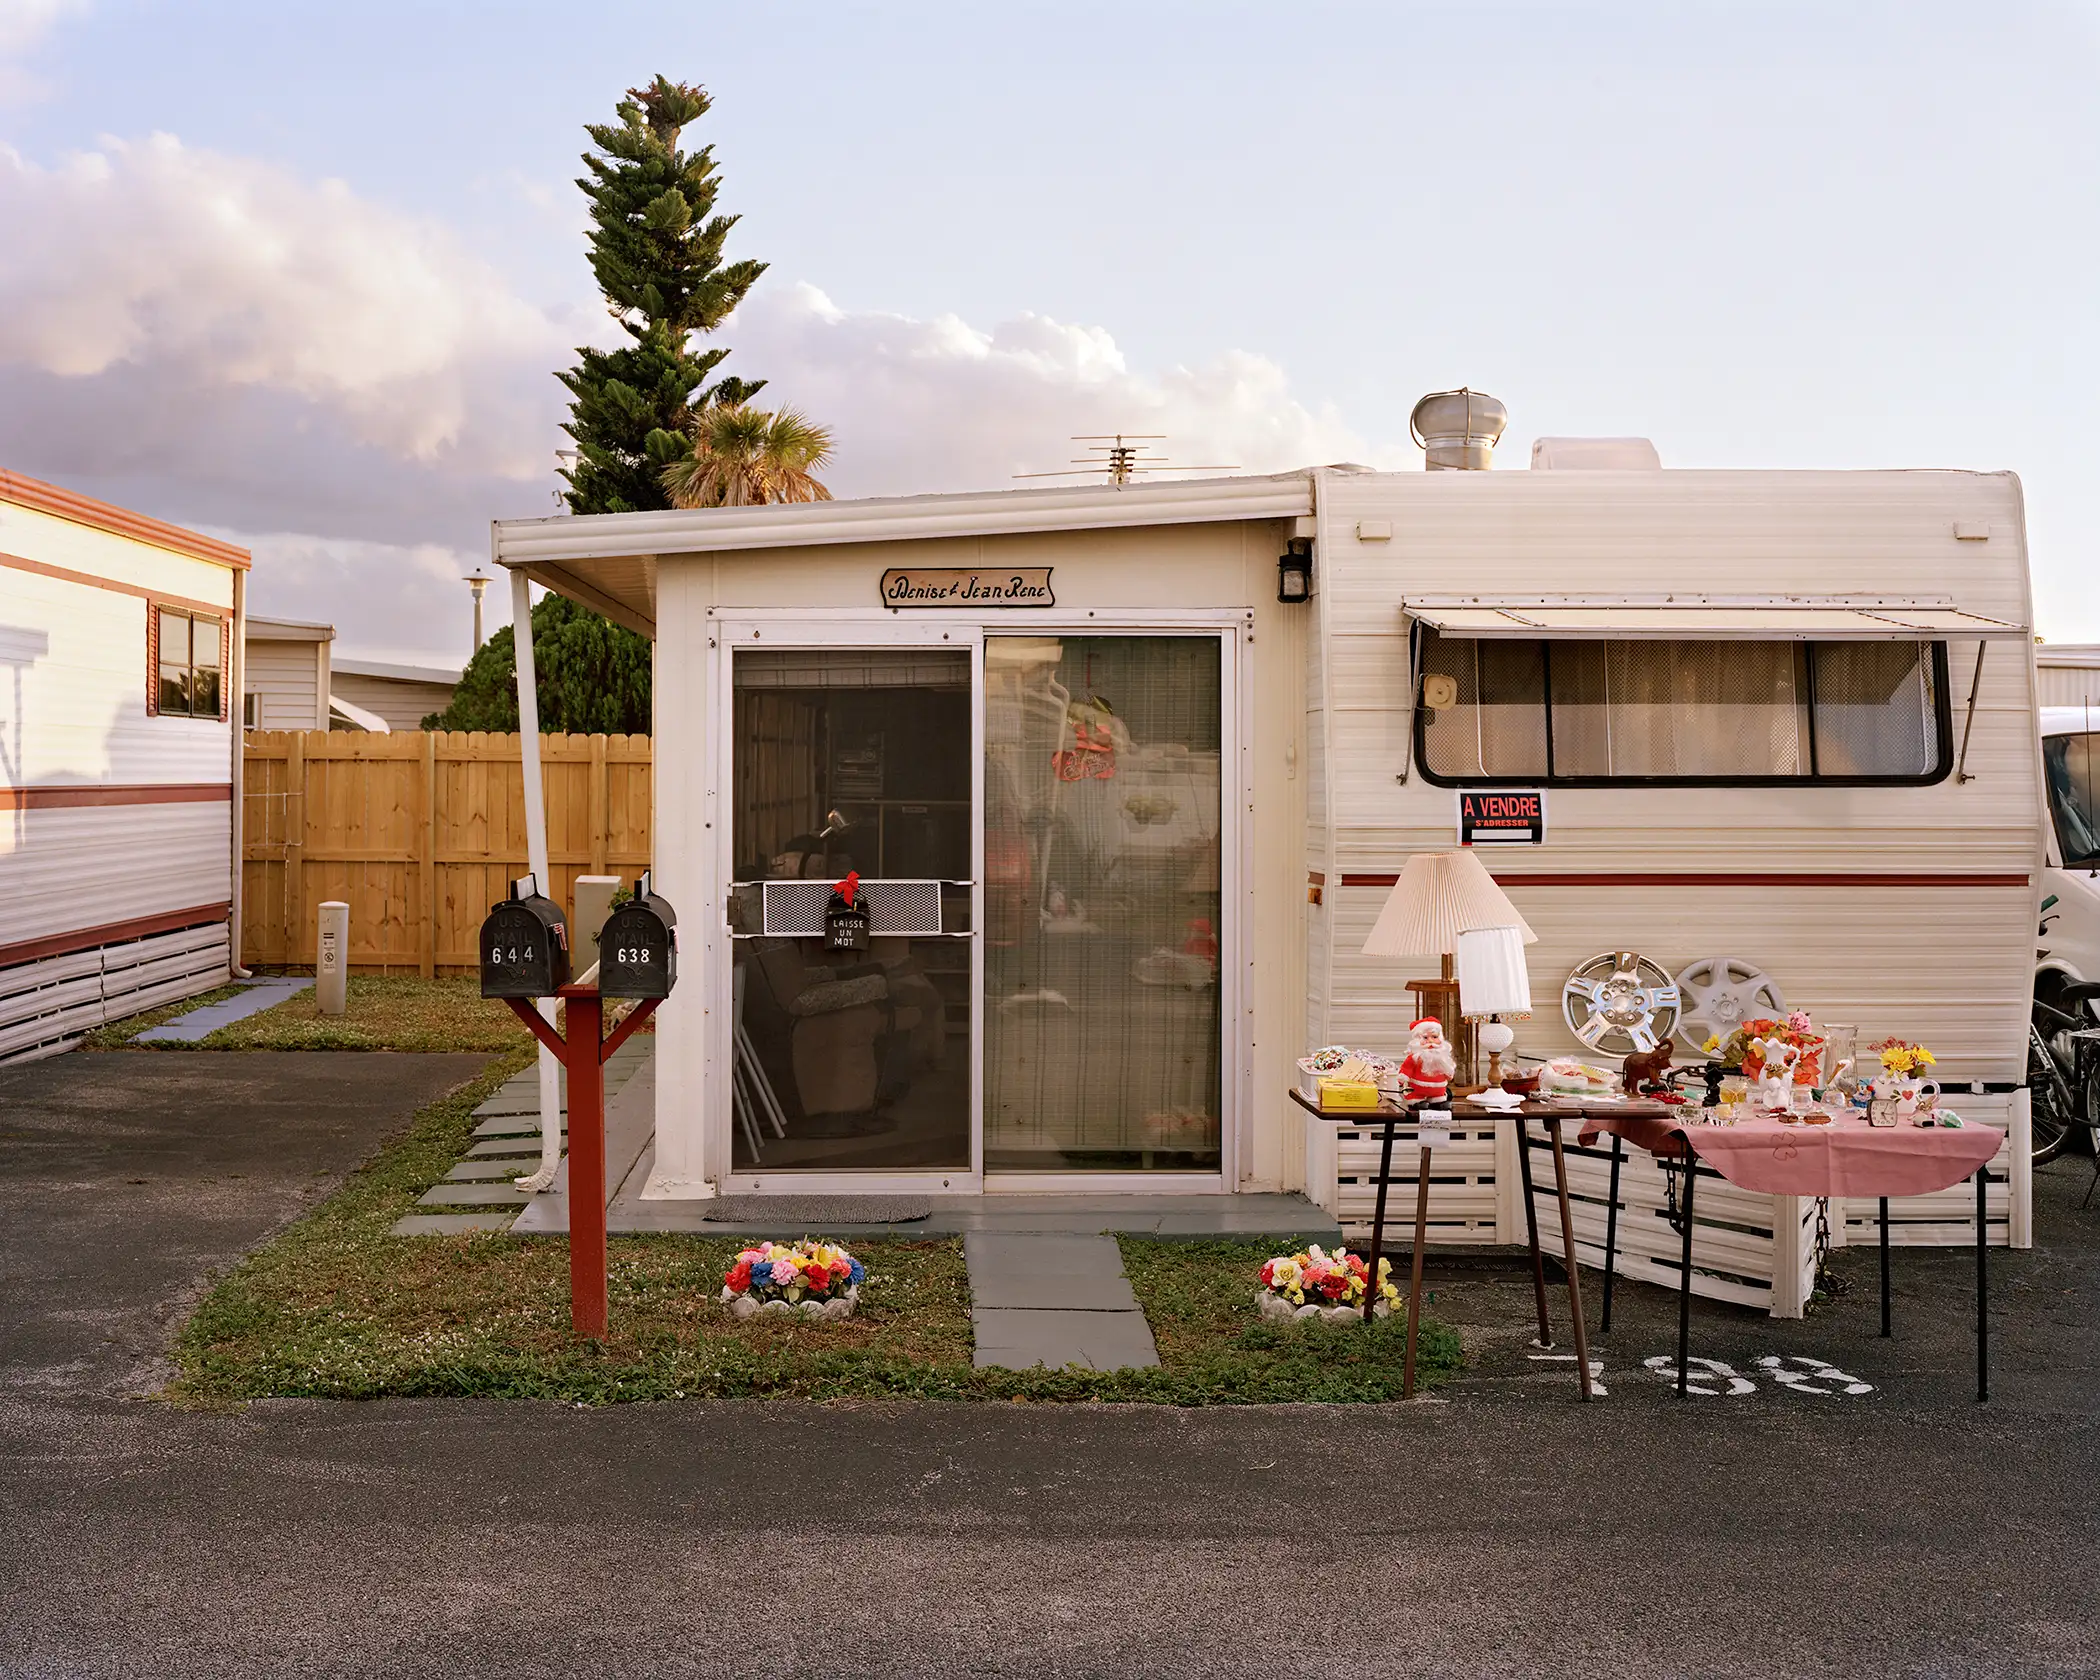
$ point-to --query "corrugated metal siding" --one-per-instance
(95, 866)
(286, 676)
(73, 693)
(1913, 961)
(2067, 685)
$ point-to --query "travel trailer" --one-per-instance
(1128, 770)
(120, 652)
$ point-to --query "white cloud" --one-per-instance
(217, 274)
(216, 341)
(938, 404)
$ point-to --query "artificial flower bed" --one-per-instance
(1329, 1288)
(811, 1278)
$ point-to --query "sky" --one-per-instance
(302, 276)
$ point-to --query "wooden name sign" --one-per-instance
(967, 586)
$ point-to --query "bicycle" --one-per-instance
(2063, 1067)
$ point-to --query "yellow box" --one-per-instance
(1348, 1094)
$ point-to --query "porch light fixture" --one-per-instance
(1294, 572)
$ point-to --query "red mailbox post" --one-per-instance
(583, 1053)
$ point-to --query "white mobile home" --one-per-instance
(119, 762)
(1128, 801)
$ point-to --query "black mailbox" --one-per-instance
(524, 945)
(638, 947)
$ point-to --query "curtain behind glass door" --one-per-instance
(1102, 903)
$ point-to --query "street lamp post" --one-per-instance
(478, 582)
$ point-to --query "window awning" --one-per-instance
(1700, 618)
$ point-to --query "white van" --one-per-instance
(2067, 959)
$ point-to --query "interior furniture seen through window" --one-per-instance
(1583, 710)
(188, 648)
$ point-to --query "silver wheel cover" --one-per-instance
(1720, 994)
(1620, 1001)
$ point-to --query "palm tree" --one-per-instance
(743, 456)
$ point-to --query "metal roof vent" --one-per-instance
(1457, 429)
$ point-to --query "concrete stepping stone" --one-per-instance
(473, 1195)
(516, 1148)
(1020, 1340)
(449, 1224)
(513, 1126)
(1054, 1299)
(491, 1172)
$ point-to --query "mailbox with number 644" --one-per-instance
(638, 947)
(524, 945)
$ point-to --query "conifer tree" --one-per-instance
(656, 249)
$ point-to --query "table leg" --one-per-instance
(1567, 1238)
(1531, 1230)
(1684, 1288)
(1385, 1174)
(1611, 1225)
(1414, 1282)
(1884, 1265)
(1983, 1325)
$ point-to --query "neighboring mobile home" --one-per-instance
(1129, 809)
(401, 696)
(287, 678)
(120, 641)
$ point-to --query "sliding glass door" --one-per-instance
(1102, 903)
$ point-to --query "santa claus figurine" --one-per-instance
(1428, 1064)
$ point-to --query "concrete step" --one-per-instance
(491, 1172)
(473, 1195)
(449, 1224)
(516, 1149)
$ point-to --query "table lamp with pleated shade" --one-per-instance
(1439, 896)
(1494, 987)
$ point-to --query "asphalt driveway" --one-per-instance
(127, 1178)
(1498, 1529)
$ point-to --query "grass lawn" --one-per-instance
(385, 1012)
(335, 1307)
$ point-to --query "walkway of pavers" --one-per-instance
(1055, 1299)
(478, 1195)
(193, 1026)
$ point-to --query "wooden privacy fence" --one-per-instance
(420, 833)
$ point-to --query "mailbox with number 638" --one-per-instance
(524, 945)
(638, 947)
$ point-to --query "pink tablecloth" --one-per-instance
(1844, 1158)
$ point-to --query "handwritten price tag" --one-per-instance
(1433, 1128)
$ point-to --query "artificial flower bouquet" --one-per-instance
(816, 1280)
(1901, 1059)
(1744, 1048)
(1313, 1284)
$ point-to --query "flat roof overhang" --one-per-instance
(608, 561)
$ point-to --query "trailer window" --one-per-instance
(1584, 710)
(186, 660)
(2071, 766)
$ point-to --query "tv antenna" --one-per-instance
(1122, 456)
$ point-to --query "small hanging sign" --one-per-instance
(1501, 816)
(967, 586)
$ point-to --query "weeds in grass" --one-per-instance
(337, 1307)
(383, 1012)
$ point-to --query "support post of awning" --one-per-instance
(535, 858)
(1961, 771)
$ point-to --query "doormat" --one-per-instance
(780, 1212)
